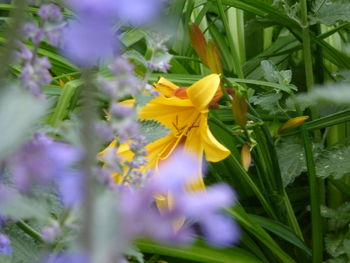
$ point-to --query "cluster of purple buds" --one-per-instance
(126, 83)
(160, 60)
(50, 26)
(35, 74)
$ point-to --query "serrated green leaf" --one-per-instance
(335, 162)
(153, 130)
(330, 12)
(142, 99)
(291, 158)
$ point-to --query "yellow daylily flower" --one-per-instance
(184, 111)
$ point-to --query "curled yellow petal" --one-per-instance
(214, 150)
(292, 124)
(203, 91)
(165, 87)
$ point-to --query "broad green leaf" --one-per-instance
(291, 158)
(335, 162)
(329, 12)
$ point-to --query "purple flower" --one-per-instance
(49, 234)
(33, 32)
(40, 161)
(201, 208)
(138, 12)
(36, 74)
(121, 111)
(96, 9)
(70, 187)
(72, 257)
(5, 243)
(88, 41)
(50, 12)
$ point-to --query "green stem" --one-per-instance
(30, 231)
(309, 73)
(236, 59)
(12, 36)
(88, 117)
(316, 219)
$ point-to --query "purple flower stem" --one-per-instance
(88, 114)
(12, 34)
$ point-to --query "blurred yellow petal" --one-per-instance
(165, 87)
(203, 91)
(214, 150)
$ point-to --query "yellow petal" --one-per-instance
(203, 91)
(194, 145)
(173, 113)
(160, 149)
(165, 87)
(129, 102)
(214, 151)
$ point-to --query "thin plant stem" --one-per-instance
(309, 73)
(12, 35)
(315, 202)
(30, 231)
(88, 114)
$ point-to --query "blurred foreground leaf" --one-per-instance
(19, 112)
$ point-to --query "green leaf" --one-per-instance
(199, 252)
(281, 230)
(271, 73)
(335, 162)
(329, 12)
(268, 102)
(153, 130)
(61, 109)
(19, 206)
(25, 249)
(291, 158)
(19, 112)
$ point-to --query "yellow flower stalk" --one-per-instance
(184, 111)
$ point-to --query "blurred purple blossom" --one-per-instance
(88, 41)
(49, 234)
(138, 12)
(40, 161)
(121, 111)
(35, 74)
(5, 245)
(200, 208)
(50, 12)
(69, 257)
(71, 189)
